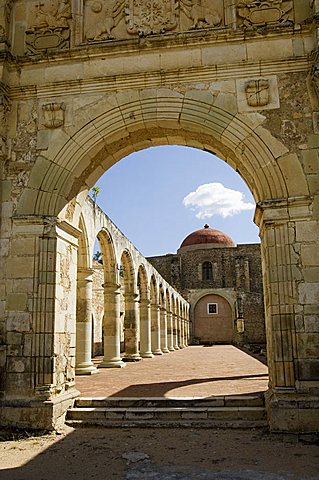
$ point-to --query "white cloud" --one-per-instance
(214, 199)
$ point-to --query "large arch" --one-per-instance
(197, 105)
(76, 158)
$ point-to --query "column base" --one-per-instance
(35, 413)
(176, 347)
(181, 346)
(171, 349)
(147, 355)
(292, 412)
(86, 369)
(135, 357)
(112, 364)
(157, 352)
(165, 350)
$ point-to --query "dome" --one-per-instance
(207, 236)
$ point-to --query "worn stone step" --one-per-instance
(159, 416)
(218, 401)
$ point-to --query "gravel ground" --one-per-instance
(158, 454)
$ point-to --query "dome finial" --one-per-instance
(206, 225)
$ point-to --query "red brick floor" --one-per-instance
(195, 371)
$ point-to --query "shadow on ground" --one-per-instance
(161, 389)
(159, 454)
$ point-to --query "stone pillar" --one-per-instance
(145, 328)
(175, 331)
(290, 259)
(38, 380)
(180, 333)
(112, 327)
(170, 331)
(131, 326)
(155, 329)
(163, 314)
(183, 331)
(83, 350)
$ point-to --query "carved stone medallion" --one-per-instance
(53, 114)
(257, 93)
(49, 26)
(150, 16)
(263, 12)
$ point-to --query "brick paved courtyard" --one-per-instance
(195, 371)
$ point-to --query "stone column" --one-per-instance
(145, 328)
(180, 332)
(83, 349)
(163, 314)
(37, 365)
(170, 331)
(290, 258)
(175, 331)
(183, 332)
(155, 329)
(131, 326)
(112, 327)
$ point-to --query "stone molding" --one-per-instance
(282, 210)
(136, 80)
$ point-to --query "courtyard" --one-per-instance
(165, 453)
(195, 371)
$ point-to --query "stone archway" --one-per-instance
(58, 162)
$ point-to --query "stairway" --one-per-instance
(241, 411)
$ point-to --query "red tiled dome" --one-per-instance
(207, 235)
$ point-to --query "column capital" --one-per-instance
(110, 288)
(145, 301)
(281, 210)
(85, 274)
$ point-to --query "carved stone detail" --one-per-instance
(257, 92)
(53, 114)
(5, 15)
(150, 16)
(200, 16)
(107, 18)
(125, 18)
(4, 109)
(262, 12)
(50, 26)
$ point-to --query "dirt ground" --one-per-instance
(158, 454)
(165, 453)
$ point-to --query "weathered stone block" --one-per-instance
(312, 323)
(16, 302)
(308, 369)
(19, 322)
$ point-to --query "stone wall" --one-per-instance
(235, 269)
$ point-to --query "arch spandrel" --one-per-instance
(74, 161)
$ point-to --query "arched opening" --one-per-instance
(75, 159)
(131, 320)
(213, 320)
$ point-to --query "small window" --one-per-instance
(207, 271)
(212, 308)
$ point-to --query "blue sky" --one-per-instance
(159, 195)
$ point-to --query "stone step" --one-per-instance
(240, 417)
(218, 401)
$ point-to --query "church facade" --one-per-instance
(223, 284)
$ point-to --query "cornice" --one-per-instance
(162, 78)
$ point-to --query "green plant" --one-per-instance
(95, 192)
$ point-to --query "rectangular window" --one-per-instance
(212, 308)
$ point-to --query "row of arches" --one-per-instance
(141, 311)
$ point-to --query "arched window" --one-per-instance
(207, 271)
